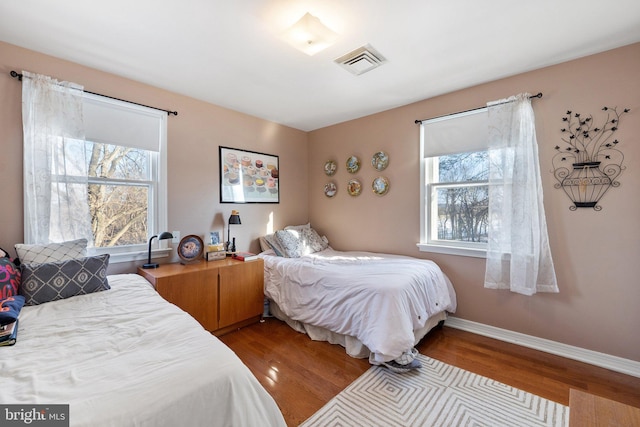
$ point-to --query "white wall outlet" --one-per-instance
(176, 237)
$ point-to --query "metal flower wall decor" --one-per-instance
(590, 162)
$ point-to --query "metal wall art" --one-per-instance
(590, 162)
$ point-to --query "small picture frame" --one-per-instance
(214, 238)
(216, 255)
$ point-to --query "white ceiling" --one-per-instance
(228, 52)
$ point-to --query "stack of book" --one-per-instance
(245, 256)
(8, 334)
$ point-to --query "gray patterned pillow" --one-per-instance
(63, 279)
(315, 242)
(51, 252)
(290, 241)
(296, 243)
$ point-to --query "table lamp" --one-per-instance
(233, 219)
(164, 235)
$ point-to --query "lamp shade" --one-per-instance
(235, 218)
(165, 235)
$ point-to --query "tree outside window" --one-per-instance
(458, 198)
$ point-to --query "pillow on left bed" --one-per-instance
(51, 252)
(63, 279)
(9, 278)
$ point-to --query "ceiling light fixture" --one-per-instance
(310, 35)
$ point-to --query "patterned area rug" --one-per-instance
(436, 395)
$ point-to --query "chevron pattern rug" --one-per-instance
(437, 394)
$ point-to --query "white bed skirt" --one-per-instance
(353, 346)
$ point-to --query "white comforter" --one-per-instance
(126, 357)
(378, 298)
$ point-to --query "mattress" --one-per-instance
(125, 357)
(386, 302)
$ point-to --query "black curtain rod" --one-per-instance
(169, 112)
(418, 122)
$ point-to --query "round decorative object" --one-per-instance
(380, 161)
(353, 164)
(380, 185)
(330, 167)
(330, 189)
(190, 248)
(354, 187)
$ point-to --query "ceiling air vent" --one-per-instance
(361, 60)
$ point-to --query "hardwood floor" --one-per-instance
(302, 375)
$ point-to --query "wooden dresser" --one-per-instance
(222, 295)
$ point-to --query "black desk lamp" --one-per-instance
(233, 219)
(164, 235)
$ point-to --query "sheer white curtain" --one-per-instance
(518, 251)
(56, 206)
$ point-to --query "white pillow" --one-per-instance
(264, 245)
(298, 227)
(51, 252)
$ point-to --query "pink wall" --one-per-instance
(596, 254)
(193, 139)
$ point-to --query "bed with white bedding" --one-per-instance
(124, 357)
(375, 305)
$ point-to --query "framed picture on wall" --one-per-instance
(248, 176)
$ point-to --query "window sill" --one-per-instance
(452, 250)
(116, 258)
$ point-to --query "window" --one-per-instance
(125, 153)
(454, 186)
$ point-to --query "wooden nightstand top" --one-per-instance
(172, 269)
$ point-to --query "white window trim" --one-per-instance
(159, 217)
(427, 246)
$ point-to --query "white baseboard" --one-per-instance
(614, 363)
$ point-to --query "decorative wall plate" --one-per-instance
(330, 189)
(330, 167)
(380, 185)
(353, 164)
(354, 187)
(380, 161)
(190, 248)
